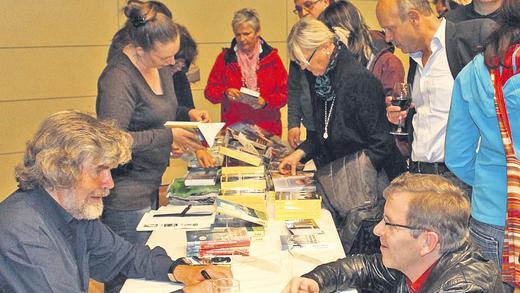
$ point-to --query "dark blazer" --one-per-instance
(464, 40)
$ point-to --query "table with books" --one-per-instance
(270, 227)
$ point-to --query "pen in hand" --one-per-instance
(205, 274)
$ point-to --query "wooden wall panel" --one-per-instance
(19, 120)
(27, 23)
(42, 73)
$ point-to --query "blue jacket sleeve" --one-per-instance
(462, 135)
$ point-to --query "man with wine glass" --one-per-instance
(438, 50)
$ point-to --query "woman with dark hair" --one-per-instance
(474, 147)
(368, 47)
(252, 64)
(136, 91)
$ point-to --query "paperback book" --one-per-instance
(302, 181)
(201, 176)
(250, 97)
(240, 211)
(301, 227)
(313, 241)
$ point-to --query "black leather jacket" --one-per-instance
(464, 270)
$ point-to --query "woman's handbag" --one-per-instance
(511, 247)
(352, 191)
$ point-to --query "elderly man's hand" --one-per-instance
(192, 274)
(301, 285)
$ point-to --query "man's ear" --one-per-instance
(139, 51)
(414, 16)
(430, 241)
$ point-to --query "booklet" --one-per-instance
(207, 131)
(201, 176)
(178, 217)
(250, 97)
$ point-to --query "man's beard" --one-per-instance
(84, 210)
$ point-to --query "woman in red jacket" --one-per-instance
(249, 63)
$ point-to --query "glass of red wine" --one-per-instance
(402, 97)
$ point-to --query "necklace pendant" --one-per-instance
(325, 135)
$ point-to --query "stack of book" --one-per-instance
(251, 198)
(199, 176)
(218, 242)
(296, 205)
(236, 210)
(304, 242)
(242, 181)
(301, 182)
(255, 231)
(180, 194)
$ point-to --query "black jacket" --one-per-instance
(464, 270)
(358, 120)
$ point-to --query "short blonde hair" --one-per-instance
(246, 15)
(65, 140)
(435, 204)
(308, 34)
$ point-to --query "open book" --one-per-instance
(208, 131)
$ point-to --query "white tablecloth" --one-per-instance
(268, 269)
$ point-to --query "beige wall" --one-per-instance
(52, 52)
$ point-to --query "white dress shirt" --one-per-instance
(431, 94)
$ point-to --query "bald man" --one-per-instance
(438, 50)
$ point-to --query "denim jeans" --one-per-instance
(489, 239)
(123, 223)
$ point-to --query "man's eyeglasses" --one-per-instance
(307, 5)
(401, 226)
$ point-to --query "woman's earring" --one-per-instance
(327, 52)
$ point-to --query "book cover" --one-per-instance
(250, 97)
(225, 251)
(301, 227)
(243, 181)
(302, 181)
(208, 131)
(239, 211)
(201, 176)
(178, 217)
(218, 238)
(178, 189)
(292, 242)
(254, 230)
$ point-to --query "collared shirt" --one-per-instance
(431, 95)
(44, 249)
(416, 287)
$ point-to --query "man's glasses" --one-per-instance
(307, 5)
(401, 226)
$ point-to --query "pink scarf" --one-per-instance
(248, 65)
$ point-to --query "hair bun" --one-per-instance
(138, 21)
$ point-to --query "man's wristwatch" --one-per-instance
(175, 263)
